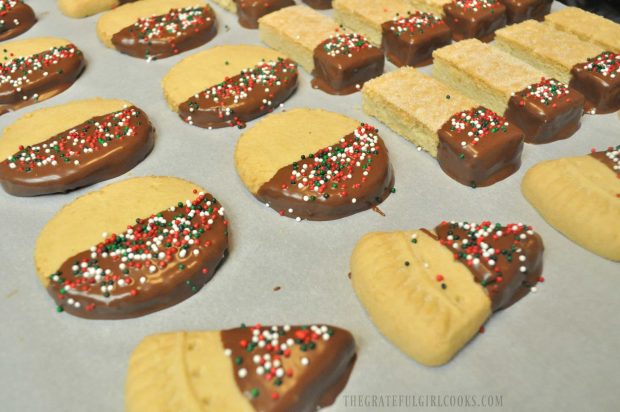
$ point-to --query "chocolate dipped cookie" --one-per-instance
(36, 69)
(156, 29)
(85, 8)
(430, 291)
(315, 165)
(132, 248)
(229, 85)
(251, 368)
(587, 26)
(249, 11)
(580, 197)
(58, 149)
(16, 17)
(474, 145)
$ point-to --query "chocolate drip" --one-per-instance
(478, 148)
(343, 63)
(15, 20)
(249, 11)
(49, 73)
(338, 196)
(33, 171)
(411, 40)
(513, 261)
(161, 261)
(599, 81)
(546, 111)
(165, 35)
(475, 19)
(239, 99)
(521, 10)
(610, 158)
(319, 4)
(309, 373)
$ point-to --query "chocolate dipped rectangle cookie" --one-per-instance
(587, 26)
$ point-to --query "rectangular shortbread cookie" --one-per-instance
(552, 51)
(483, 73)
(229, 5)
(296, 31)
(587, 26)
(430, 6)
(367, 16)
(413, 104)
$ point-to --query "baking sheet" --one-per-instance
(554, 350)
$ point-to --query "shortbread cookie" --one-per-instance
(587, 26)
(132, 248)
(73, 145)
(431, 6)
(521, 10)
(478, 19)
(229, 85)
(249, 11)
(429, 292)
(155, 29)
(339, 62)
(85, 8)
(315, 165)
(561, 55)
(545, 109)
(16, 17)
(257, 368)
(580, 197)
(472, 144)
(36, 69)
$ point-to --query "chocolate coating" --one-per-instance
(103, 287)
(521, 10)
(49, 73)
(411, 40)
(241, 98)
(30, 171)
(514, 267)
(599, 81)
(491, 153)
(165, 35)
(315, 366)
(249, 11)
(478, 19)
(319, 4)
(610, 158)
(546, 111)
(15, 19)
(343, 63)
(339, 195)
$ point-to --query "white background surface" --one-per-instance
(554, 350)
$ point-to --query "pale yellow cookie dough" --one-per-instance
(85, 8)
(406, 302)
(229, 5)
(183, 371)
(195, 73)
(279, 139)
(578, 197)
(115, 20)
(42, 124)
(27, 47)
(81, 224)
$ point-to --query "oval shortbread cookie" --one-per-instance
(258, 368)
(73, 145)
(155, 29)
(229, 85)
(429, 292)
(16, 17)
(36, 69)
(580, 197)
(132, 248)
(85, 8)
(313, 164)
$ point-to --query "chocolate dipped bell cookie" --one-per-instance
(313, 164)
(132, 248)
(257, 368)
(227, 86)
(430, 291)
(62, 148)
(156, 29)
